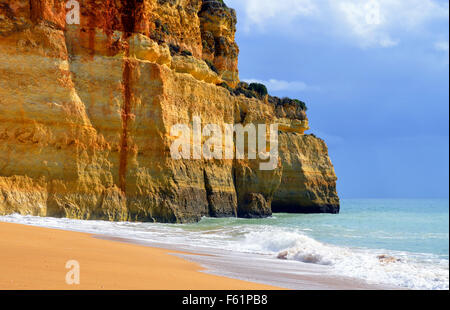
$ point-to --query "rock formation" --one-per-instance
(86, 112)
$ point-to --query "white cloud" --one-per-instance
(367, 23)
(442, 46)
(274, 85)
(363, 20)
(260, 12)
(376, 22)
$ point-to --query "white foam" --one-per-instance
(413, 270)
(410, 270)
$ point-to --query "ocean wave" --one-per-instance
(402, 269)
(393, 268)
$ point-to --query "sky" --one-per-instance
(374, 74)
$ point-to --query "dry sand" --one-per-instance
(35, 258)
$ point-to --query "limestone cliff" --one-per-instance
(86, 112)
(308, 181)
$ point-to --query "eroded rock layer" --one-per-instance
(86, 112)
(308, 183)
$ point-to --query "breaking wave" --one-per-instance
(393, 268)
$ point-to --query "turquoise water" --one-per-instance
(413, 234)
(419, 226)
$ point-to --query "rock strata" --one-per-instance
(86, 115)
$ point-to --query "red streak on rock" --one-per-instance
(36, 10)
(91, 34)
(126, 109)
(128, 14)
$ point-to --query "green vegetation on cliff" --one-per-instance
(259, 91)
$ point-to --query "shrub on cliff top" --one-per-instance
(242, 89)
(301, 104)
(207, 4)
(260, 89)
(257, 90)
(288, 101)
(254, 90)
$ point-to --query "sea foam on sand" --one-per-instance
(400, 269)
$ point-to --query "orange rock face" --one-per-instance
(308, 183)
(86, 113)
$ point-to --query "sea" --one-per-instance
(395, 243)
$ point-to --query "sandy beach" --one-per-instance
(35, 258)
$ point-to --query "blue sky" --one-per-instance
(375, 76)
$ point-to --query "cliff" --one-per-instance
(86, 113)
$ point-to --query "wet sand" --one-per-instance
(263, 269)
(35, 258)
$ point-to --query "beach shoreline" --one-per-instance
(257, 268)
(34, 258)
